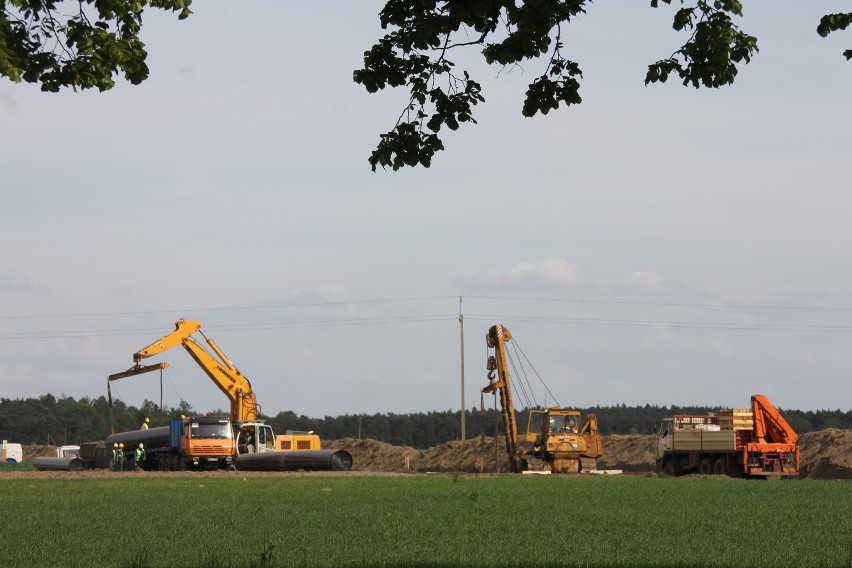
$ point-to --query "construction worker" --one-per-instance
(139, 456)
(113, 464)
(145, 424)
(120, 458)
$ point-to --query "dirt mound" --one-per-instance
(629, 452)
(372, 455)
(470, 456)
(467, 456)
(826, 454)
(36, 451)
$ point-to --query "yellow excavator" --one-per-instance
(241, 441)
(229, 379)
(557, 439)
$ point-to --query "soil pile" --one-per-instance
(37, 451)
(629, 452)
(826, 454)
(457, 456)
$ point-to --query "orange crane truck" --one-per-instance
(755, 442)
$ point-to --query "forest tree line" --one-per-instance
(64, 420)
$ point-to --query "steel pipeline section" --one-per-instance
(307, 460)
(58, 464)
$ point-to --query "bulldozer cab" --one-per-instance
(553, 421)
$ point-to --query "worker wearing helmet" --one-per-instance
(114, 462)
(120, 458)
(145, 424)
(139, 456)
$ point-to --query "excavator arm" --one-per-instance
(223, 373)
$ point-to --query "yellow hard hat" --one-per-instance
(121, 445)
(147, 419)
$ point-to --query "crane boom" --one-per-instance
(222, 371)
(769, 425)
(496, 339)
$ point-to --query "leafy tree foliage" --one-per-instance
(63, 420)
(423, 33)
(76, 44)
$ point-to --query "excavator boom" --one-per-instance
(223, 373)
(183, 330)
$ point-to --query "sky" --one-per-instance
(654, 245)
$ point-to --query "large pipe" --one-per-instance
(308, 460)
(59, 464)
(152, 438)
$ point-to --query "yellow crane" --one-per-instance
(557, 439)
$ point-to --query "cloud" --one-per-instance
(647, 280)
(547, 271)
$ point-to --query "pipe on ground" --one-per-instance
(58, 464)
(295, 460)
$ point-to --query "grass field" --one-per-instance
(422, 521)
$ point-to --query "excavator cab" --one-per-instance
(255, 437)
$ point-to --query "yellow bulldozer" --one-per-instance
(557, 440)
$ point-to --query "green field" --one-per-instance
(445, 521)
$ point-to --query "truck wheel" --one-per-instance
(720, 467)
(706, 466)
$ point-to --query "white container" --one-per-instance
(11, 453)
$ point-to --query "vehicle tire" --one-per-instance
(181, 464)
(669, 467)
(706, 466)
(720, 466)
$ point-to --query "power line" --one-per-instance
(667, 304)
(420, 318)
(670, 324)
(231, 327)
(234, 308)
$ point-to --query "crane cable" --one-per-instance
(517, 347)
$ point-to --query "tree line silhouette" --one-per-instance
(64, 420)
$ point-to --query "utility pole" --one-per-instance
(461, 325)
